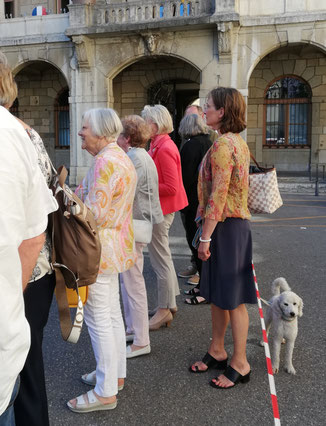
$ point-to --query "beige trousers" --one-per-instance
(162, 263)
(134, 296)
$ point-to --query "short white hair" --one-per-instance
(159, 115)
(103, 122)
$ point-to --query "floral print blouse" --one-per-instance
(108, 190)
(224, 179)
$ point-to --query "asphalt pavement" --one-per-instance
(159, 390)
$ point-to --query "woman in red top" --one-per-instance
(173, 197)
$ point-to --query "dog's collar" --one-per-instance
(284, 317)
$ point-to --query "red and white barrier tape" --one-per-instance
(272, 388)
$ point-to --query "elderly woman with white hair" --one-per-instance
(173, 197)
(108, 190)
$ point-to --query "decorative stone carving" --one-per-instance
(150, 41)
(224, 38)
(84, 51)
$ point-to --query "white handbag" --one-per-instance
(142, 231)
(263, 195)
(143, 228)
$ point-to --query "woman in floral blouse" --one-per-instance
(108, 191)
(225, 244)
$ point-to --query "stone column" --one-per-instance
(87, 91)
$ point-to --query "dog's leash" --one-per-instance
(272, 388)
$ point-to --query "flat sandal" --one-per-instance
(234, 376)
(211, 362)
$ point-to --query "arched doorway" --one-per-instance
(286, 108)
(166, 80)
(41, 89)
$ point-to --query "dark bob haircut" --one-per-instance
(234, 119)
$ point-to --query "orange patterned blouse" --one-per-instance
(224, 179)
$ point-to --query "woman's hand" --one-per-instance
(203, 251)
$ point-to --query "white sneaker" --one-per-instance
(143, 351)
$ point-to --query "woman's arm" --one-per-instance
(221, 167)
(208, 229)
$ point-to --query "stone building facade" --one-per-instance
(124, 54)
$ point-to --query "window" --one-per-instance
(9, 9)
(287, 112)
(62, 121)
(62, 6)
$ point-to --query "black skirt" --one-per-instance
(226, 278)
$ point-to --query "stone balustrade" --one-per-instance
(151, 11)
(137, 12)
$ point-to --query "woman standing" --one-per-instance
(195, 133)
(173, 197)
(226, 246)
(31, 407)
(147, 207)
(108, 191)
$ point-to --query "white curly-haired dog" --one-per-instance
(282, 314)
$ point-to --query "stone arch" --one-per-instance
(274, 48)
(21, 65)
(39, 83)
(136, 58)
(156, 79)
(305, 61)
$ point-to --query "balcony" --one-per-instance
(137, 14)
(34, 29)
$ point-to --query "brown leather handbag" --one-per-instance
(76, 252)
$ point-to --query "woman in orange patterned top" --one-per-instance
(108, 190)
(225, 244)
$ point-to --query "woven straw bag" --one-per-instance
(263, 195)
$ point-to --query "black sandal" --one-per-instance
(234, 376)
(211, 362)
(194, 301)
(192, 292)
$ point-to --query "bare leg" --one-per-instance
(239, 324)
(220, 320)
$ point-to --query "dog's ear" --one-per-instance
(300, 306)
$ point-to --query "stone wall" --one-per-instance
(303, 61)
(266, 7)
(37, 93)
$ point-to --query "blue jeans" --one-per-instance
(7, 418)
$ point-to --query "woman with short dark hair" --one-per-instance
(225, 244)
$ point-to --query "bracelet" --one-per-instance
(205, 241)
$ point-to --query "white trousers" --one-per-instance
(134, 296)
(162, 263)
(106, 329)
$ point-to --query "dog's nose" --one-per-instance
(292, 314)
